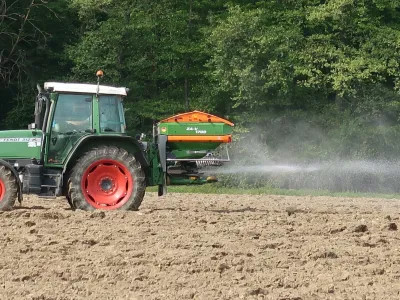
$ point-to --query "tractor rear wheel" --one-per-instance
(107, 178)
(8, 189)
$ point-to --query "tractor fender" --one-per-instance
(15, 173)
(88, 142)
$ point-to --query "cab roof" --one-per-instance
(84, 88)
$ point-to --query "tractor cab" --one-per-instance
(78, 110)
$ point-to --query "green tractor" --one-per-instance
(78, 147)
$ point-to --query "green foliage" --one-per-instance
(155, 48)
(273, 55)
(33, 35)
(22, 113)
(252, 57)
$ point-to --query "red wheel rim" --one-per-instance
(107, 184)
(2, 190)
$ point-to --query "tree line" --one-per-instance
(304, 78)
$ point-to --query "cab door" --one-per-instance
(72, 119)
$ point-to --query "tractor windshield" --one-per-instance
(111, 114)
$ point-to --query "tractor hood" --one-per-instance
(20, 144)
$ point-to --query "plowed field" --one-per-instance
(197, 246)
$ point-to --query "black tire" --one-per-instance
(90, 163)
(68, 193)
(8, 189)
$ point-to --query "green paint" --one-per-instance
(191, 150)
(17, 144)
(154, 173)
(194, 128)
(194, 150)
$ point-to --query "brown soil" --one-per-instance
(197, 246)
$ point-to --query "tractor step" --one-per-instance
(51, 183)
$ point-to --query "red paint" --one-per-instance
(107, 184)
(2, 190)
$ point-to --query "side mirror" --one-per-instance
(32, 126)
(140, 137)
(39, 88)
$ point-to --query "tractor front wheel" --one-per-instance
(8, 189)
(107, 178)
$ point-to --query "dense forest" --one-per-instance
(304, 78)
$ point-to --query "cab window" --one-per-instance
(111, 114)
(72, 119)
(73, 113)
